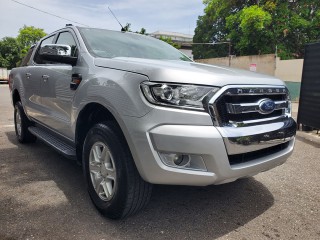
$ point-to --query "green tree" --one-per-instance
(29, 35)
(249, 27)
(12, 50)
(256, 27)
(9, 52)
(169, 41)
(207, 32)
(127, 28)
(143, 31)
(211, 27)
(293, 25)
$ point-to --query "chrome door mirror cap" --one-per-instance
(60, 53)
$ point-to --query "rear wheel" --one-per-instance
(113, 182)
(21, 124)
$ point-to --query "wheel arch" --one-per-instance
(15, 96)
(90, 115)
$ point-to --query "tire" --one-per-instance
(112, 180)
(21, 124)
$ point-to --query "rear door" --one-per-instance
(32, 82)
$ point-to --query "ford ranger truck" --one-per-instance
(134, 111)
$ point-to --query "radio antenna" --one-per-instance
(122, 28)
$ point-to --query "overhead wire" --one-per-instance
(54, 15)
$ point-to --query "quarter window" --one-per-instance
(48, 40)
(26, 59)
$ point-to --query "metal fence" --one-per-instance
(309, 103)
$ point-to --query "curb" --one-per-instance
(309, 138)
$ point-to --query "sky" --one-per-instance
(153, 15)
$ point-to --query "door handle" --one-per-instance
(28, 75)
(45, 77)
(75, 81)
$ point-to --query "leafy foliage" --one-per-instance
(143, 31)
(169, 41)
(248, 27)
(211, 27)
(9, 52)
(205, 34)
(29, 35)
(12, 50)
(127, 27)
(257, 29)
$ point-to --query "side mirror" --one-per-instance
(57, 53)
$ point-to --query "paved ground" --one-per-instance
(42, 196)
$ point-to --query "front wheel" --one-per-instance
(113, 182)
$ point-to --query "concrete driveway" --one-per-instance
(42, 196)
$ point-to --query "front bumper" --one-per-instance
(162, 130)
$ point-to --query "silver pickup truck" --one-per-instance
(134, 111)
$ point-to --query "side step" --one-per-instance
(62, 147)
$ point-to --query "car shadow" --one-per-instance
(45, 195)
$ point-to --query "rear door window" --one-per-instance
(37, 58)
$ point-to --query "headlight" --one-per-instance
(176, 95)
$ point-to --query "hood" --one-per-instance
(186, 72)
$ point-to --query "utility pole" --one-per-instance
(229, 53)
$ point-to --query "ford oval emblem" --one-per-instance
(266, 106)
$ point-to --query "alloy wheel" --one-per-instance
(102, 171)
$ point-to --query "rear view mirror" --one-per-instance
(57, 53)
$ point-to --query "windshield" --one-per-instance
(111, 44)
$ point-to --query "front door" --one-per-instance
(56, 94)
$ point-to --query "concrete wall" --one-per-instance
(289, 70)
(286, 70)
(260, 63)
(224, 61)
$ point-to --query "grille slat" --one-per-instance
(228, 105)
(237, 108)
(247, 157)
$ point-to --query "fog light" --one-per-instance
(186, 161)
(181, 160)
(176, 159)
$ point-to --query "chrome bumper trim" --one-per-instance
(247, 122)
(239, 140)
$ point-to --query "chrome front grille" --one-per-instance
(240, 108)
(243, 106)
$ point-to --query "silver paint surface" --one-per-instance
(115, 84)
